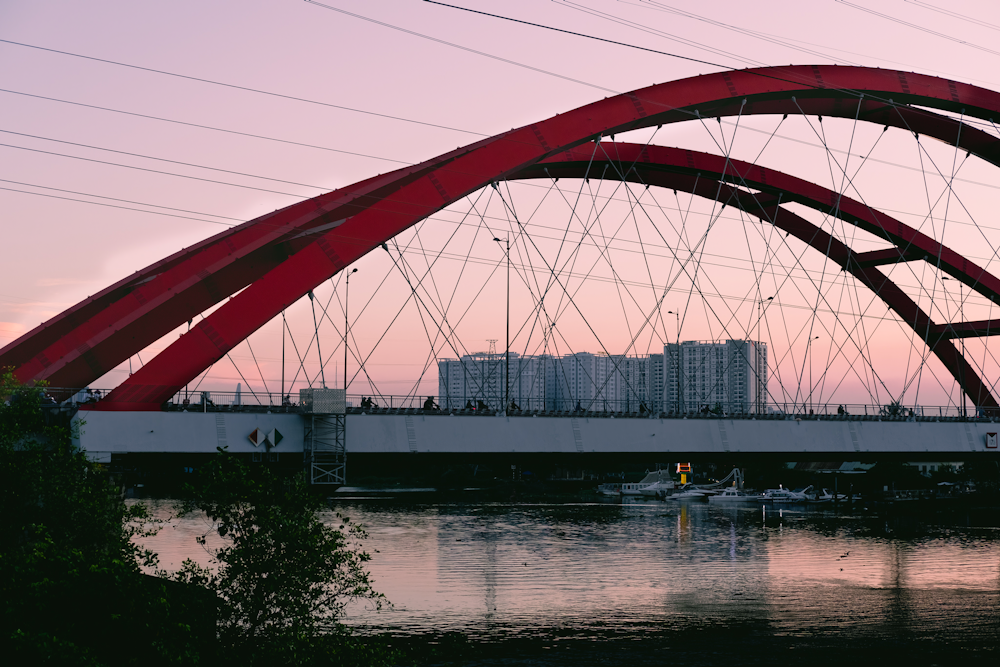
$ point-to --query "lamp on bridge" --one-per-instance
(809, 359)
(506, 355)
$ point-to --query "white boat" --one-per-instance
(782, 495)
(732, 495)
(638, 488)
(610, 489)
(663, 487)
(824, 497)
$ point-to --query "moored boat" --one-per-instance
(824, 497)
(732, 495)
(659, 489)
(784, 496)
(657, 477)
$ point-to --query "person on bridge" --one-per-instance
(578, 408)
(481, 407)
(469, 406)
(513, 406)
(429, 404)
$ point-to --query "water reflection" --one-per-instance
(631, 568)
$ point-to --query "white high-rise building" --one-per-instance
(731, 375)
(655, 379)
(482, 377)
(693, 376)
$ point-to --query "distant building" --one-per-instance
(731, 375)
(697, 374)
(483, 377)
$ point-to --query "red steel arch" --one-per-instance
(704, 174)
(288, 252)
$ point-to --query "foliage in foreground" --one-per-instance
(282, 575)
(70, 581)
(72, 591)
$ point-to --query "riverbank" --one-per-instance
(720, 646)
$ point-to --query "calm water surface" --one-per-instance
(650, 576)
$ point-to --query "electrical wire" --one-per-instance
(914, 26)
(126, 208)
(948, 12)
(539, 25)
(243, 88)
(125, 201)
(160, 159)
(154, 171)
(205, 127)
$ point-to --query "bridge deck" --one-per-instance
(415, 431)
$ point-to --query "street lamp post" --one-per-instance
(809, 359)
(677, 360)
(347, 294)
(506, 355)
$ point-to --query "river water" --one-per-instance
(556, 583)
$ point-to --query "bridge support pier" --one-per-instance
(325, 437)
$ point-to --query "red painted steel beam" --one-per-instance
(97, 335)
(883, 257)
(977, 329)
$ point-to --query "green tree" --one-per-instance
(70, 572)
(282, 574)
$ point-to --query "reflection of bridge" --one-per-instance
(273, 261)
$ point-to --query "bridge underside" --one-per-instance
(105, 434)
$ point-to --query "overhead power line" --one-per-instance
(536, 25)
(161, 159)
(464, 48)
(788, 77)
(204, 127)
(660, 7)
(153, 171)
(127, 208)
(948, 12)
(914, 26)
(244, 88)
(124, 201)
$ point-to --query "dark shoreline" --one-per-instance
(722, 645)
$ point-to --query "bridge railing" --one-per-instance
(249, 401)
(254, 401)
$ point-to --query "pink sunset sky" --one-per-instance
(76, 218)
